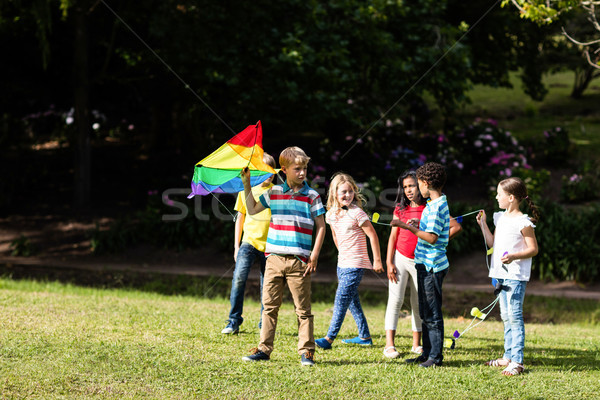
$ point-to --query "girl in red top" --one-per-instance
(401, 265)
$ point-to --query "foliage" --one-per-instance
(581, 186)
(22, 247)
(569, 249)
(542, 11)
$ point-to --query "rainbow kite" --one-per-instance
(220, 171)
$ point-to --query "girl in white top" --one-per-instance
(350, 226)
(514, 245)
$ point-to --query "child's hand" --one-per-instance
(311, 266)
(391, 273)
(378, 266)
(245, 175)
(507, 258)
(399, 224)
(480, 217)
(235, 253)
(414, 222)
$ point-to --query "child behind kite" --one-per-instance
(252, 248)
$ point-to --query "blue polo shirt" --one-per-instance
(435, 219)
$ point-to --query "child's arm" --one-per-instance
(487, 234)
(367, 227)
(335, 239)
(455, 228)
(311, 266)
(529, 252)
(391, 250)
(251, 205)
(429, 237)
(237, 235)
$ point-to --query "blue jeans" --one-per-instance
(511, 312)
(246, 256)
(346, 296)
(430, 310)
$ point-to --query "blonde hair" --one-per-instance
(269, 160)
(293, 155)
(339, 179)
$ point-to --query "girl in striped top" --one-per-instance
(350, 227)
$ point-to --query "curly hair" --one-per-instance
(432, 173)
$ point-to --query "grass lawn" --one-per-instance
(62, 341)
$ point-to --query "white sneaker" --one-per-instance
(228, 330)
(391, 352)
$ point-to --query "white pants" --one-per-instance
(406, 275)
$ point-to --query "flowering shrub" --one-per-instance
(581, 187)
(484, 148)
(555, 145)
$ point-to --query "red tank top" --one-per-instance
(406, 240)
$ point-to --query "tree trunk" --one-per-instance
(582, 80)
(82, 184)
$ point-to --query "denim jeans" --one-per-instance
(246, 256)
(511, 312)
(346, 296)
(430, 309)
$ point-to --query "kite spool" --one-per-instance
(449, 343)
(475, 312)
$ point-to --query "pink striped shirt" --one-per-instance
(351, 239)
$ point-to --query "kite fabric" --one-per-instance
(219, 172)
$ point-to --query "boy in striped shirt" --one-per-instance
(431, 261)
(296, 210)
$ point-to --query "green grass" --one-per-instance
(528, 119)
(63, 341)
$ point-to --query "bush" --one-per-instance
(568, 242)
(581, 186)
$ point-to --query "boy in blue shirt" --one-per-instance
(431, 261)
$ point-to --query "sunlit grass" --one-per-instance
(61, 341)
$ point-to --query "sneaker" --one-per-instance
(430, 363)
(256, 355)
(358, 340)
(417, 360)
(323, 343)
(230, 329)
(307, 359)
(391, 352)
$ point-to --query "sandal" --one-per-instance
(501, 362)
(417, 350)
(391, 354)
(513, 369)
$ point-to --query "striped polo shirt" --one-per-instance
(435, 219)
(292, 219)
(350, 237)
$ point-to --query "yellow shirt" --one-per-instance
(255, 226)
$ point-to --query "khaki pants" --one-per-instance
(279, 270)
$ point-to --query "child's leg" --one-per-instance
(395, 299)
(343, 297)
(515, 318)
(416, 322)
(433, 321)
(356, 308)
(504, 295)
(263, 262)
(272, 296)
(424, 310)
(300, 287)
(246, 256)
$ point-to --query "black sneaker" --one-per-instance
(417, 360)
(307, 359)
(430, 363)
(256, 355)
